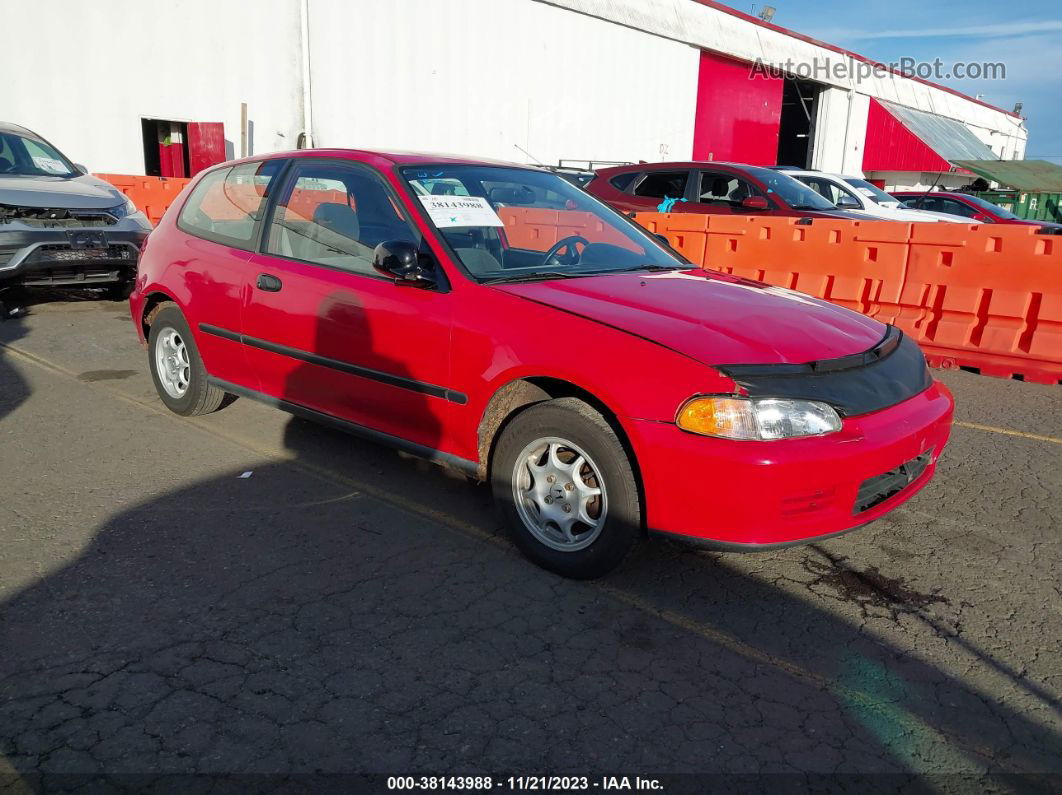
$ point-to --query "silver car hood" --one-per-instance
(84, 192)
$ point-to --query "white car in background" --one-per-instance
(858, 195)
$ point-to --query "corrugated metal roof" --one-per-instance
(1024, 175)
(948, 138)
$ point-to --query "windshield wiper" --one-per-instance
(533, 277)
(646, 267)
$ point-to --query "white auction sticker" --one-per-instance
(460, 211)
(49, 164)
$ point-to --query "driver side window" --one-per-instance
(335, 215)
(725, 190)
(830, 191)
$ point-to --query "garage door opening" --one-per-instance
(181, 149)
(796, 129)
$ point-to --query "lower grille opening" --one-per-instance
(72, 276)
(874, 491)
(62, 253)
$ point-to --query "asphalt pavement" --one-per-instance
(249, 593)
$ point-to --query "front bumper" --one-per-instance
(70, 256)
(751, 495)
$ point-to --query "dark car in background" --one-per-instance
(978, 210)
(710, 187)
(59, 226)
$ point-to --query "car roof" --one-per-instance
(672, 165)
(8, 127)
(385, 158)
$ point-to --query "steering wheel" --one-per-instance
(565, 243)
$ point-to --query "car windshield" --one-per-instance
(873, 192)
(509, 224)
(31, 157)
(791, 191)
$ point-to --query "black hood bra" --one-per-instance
(889, 373)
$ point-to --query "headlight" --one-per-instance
(122, 210)
(757, 419)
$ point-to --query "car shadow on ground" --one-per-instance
(282, 624)
(291, 623)
(13, 387)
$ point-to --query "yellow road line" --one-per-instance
(1008, 432)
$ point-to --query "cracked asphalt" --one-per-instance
(346, 609)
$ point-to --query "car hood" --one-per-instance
(712, 318)
(84, 192)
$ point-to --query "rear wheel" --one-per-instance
(176, 368)
(566, 488)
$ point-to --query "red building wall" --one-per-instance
(892, 147)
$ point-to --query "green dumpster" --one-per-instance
(1033, 205)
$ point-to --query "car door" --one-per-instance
(723, 192)
(325, 331)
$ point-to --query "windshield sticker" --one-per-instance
(49, 164)
(447, 211)
(866, 192)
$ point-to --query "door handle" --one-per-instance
(269, 283)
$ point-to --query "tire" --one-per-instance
(170, 332)
(528, 502)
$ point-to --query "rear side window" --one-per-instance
(226, 204)
(623, 181)
(663, 185)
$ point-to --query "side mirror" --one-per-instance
(81, 168)
(755, 203)
(980, 218)
(402, 261)
(849, 203)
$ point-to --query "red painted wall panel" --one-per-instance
(737, 114)
(892, 147)
(206, 145)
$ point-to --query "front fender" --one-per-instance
(503, 338)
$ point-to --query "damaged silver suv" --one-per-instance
(59, 226)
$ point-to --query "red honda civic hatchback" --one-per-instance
(497, 319)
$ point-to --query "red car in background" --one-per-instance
(978, 210)
(710, 187)
(497, 319)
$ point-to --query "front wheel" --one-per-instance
(566, 488)
(176, 368)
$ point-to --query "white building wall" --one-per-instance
(483, 77)
(579, 79)
(88, 72)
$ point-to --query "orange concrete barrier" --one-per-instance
(987, 297)
(537, 228)
(151, 195)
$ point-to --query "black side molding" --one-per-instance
(401, 382)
